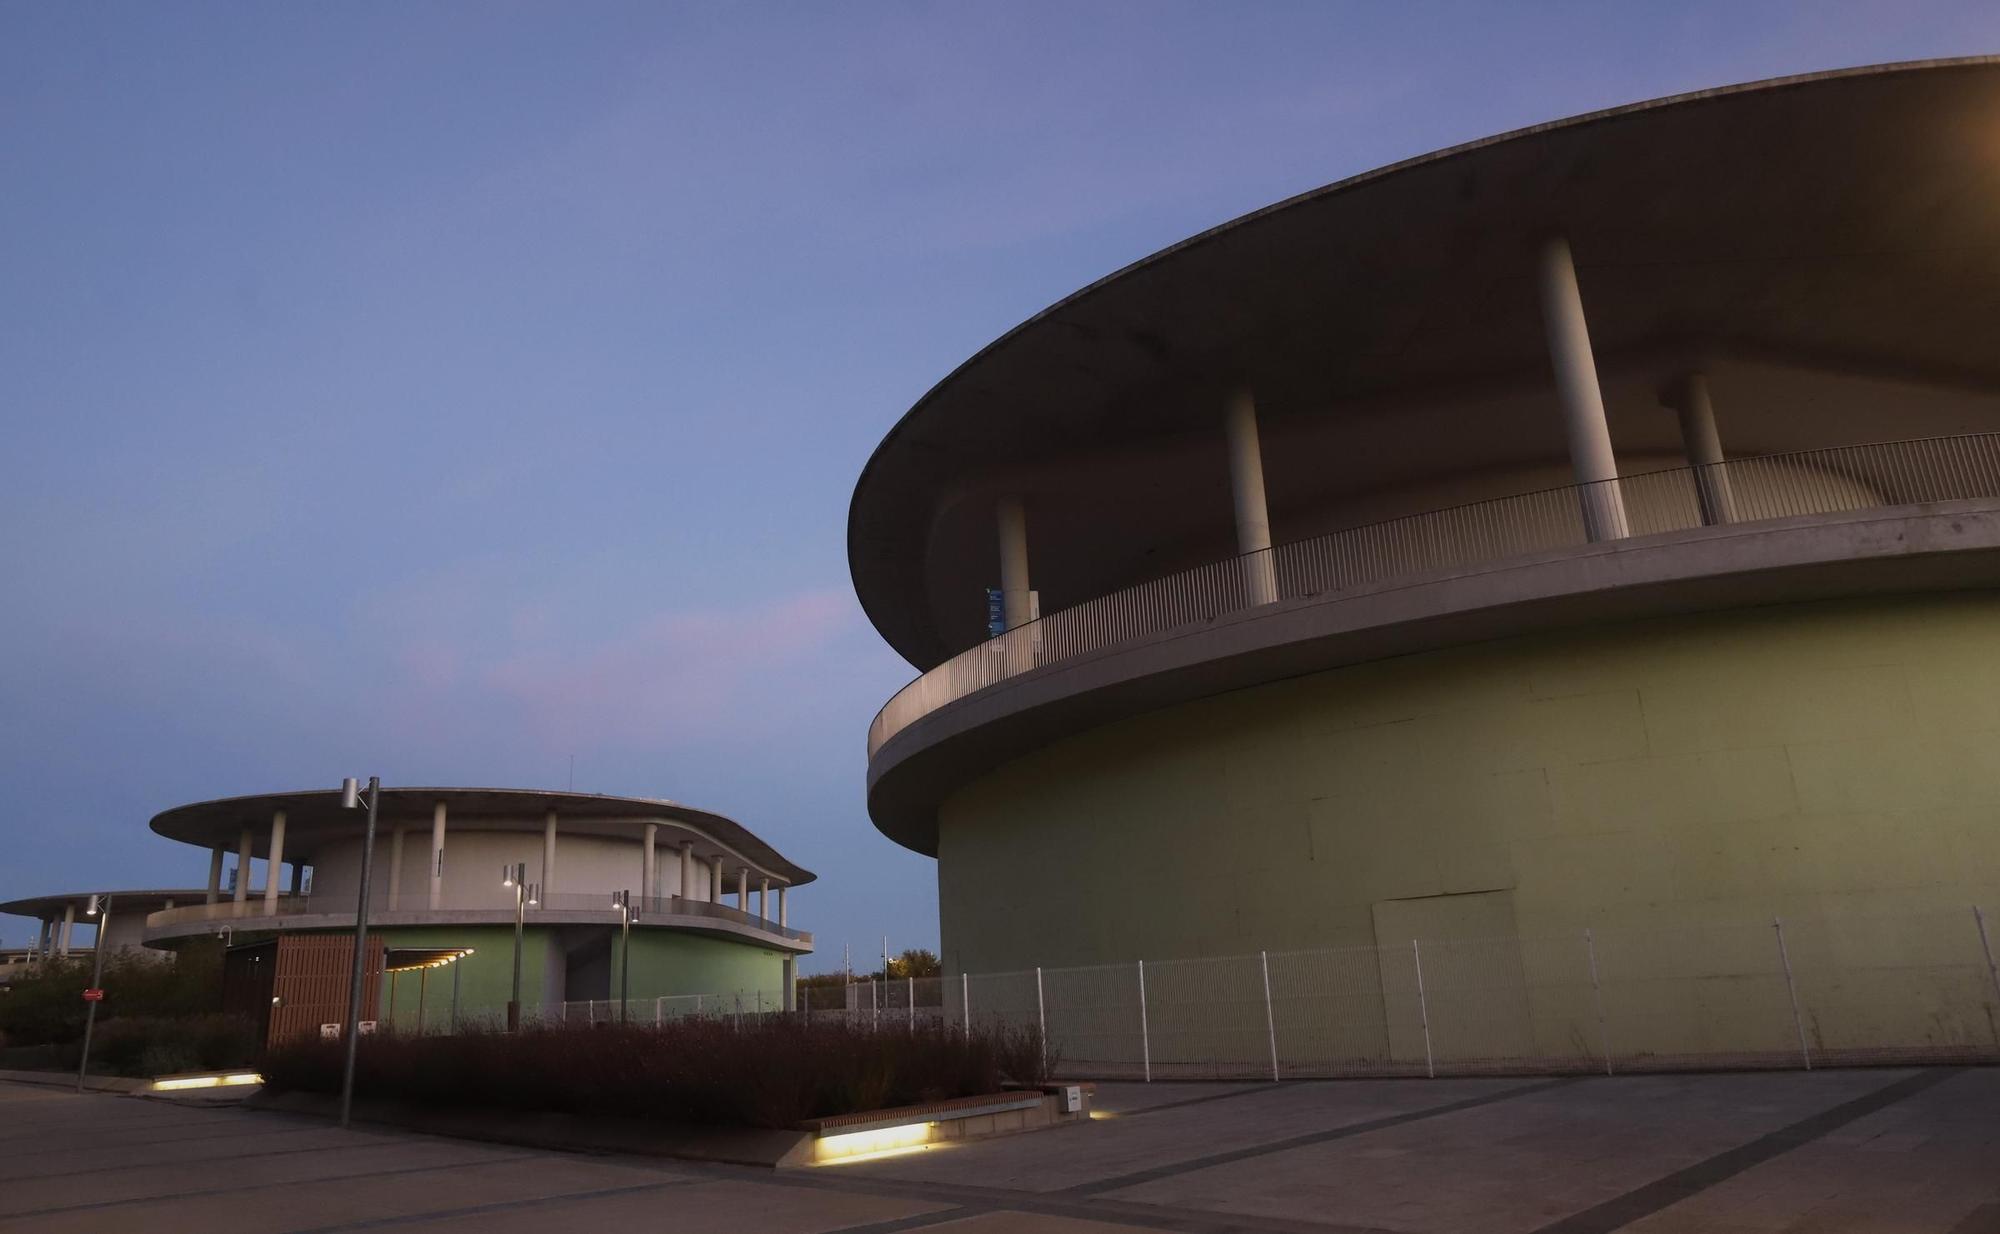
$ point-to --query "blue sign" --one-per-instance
(996, 613)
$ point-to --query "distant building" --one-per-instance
(709, 899)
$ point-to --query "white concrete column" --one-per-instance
(715, 879)
(243, 843)
(1246, 487)
(743, 890)
(763, 899)
(437, 856)
(1590, 455)
(69, 922)
(549, 852)
(46, 943)
(649, 863)
(781, 904)
(214, 875)
(274, 863)
(687, 870)
(1703, 447)
(1014, 586)
(395, 868)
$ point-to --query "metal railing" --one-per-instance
(418, 901)
(1775, 486)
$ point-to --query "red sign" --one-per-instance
(93, 996)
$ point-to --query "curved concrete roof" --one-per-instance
(51, 906)
(315, 815)
(1846, 219)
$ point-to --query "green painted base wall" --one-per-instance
(676, 964)
(1663, 780)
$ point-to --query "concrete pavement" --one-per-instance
(1888, 1150)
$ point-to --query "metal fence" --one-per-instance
(1807, 992)
(1806, 482)
(1780, 993)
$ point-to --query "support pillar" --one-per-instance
(243, 842)
(549, 853)
(1014, 589)
(68, 922)
(687, 870)
(763, 899)
(781, 905)
(274, 864)
(214, 875)
(1703, 448)
(45, 941)
(649, 864)
(395, 867)
(715, 879)
(437, 856)
(1582, 401)
(1246, 487)
(743, 889)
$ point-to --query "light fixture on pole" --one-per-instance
(98, 904)
(622, 901)
(350, 798)
(515, 875)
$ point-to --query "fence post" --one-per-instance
(965, 1003)
(1986, 945)
(1042, 1021)
(1785, 958)
(1270, 1022)
(911, 992)
(697, 1004)
(658, 1001)
(1424, 1012)
(1145, 1033)
(1597, 996)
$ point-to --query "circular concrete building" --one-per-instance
(453, 867)
(1594, 526)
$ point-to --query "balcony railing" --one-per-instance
(1746, 490)
(227, 911)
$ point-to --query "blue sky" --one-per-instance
(444, 391)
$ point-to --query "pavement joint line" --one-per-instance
(89, 1145)
(1175, 1169)
(169, 1196)
(1643, 1201)
(974, 1201)
(125, 1167)
(1252, 1091)
(498, 1206)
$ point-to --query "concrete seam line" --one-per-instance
(1643, 1201)
(160, 1197)
(498, 1206)
(1315, 1137)
(918, 1221)
(189, 1163)
(1251, 1091)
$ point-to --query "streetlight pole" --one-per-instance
(350, 795)
(96, 982)
(516, 876)
(623, 902)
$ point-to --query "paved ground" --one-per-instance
(1842, 1151)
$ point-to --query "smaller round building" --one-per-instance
(708, 899)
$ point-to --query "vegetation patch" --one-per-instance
(773, 1072)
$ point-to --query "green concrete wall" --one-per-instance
(1671, 784)
(673, 963)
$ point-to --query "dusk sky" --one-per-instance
(442, 392)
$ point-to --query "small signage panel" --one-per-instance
(996, 613)
(328, 1032)
(93, 996)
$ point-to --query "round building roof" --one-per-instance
(1847, 219)
(50, 907)
(314, 816)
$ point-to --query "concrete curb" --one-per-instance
(67, 1079)
(564, 1132)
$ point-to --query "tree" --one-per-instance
(916, 962)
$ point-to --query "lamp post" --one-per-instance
(516, 876)
(350, 798)
(623, 903)
(97, 904)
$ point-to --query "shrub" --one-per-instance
(776, 1072)
(47, 1005)
(147, 1046)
